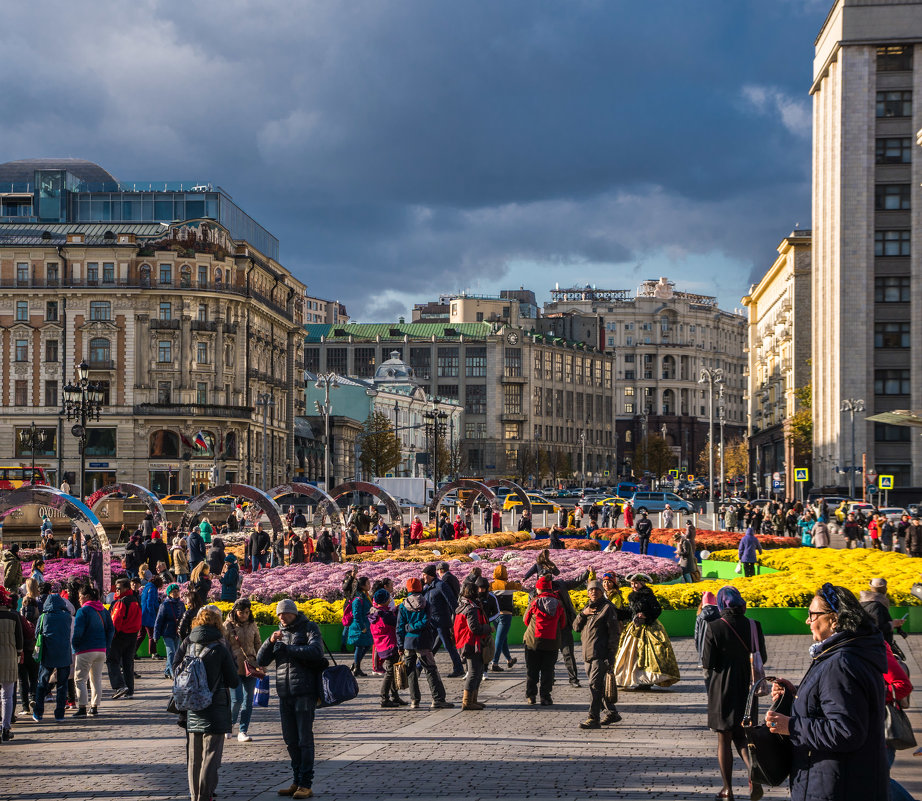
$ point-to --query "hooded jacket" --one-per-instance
(180, 561)
(216, 557)
(54, 628)
(548, 606)
(837, 724)
(877, 605)
(12, 571)
(150, 604)
(196, 547)
(93, 629)
(221, 671)
(298, 658)
(230, 581)
(168, 618)
(12, 643)
(415, 631)
(383, 622)
(504, 590)
(442, 601)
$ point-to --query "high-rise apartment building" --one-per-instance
(867, 235)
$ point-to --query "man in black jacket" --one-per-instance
(644, 529)
(297, 650)
(442, 602)
(259, 548)
(446, 529)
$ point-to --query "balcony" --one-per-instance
(230, 328)
(101, 364)
(204, 325)
(164, 325)
(514, 417)
(192, 410)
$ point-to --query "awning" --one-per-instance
(900, 417)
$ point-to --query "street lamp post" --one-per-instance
(436, 419)
(29, 438)
(326, 382)
(853, 406)
(82, 402)
(721, 417)
(265, 400)
(644, 418)
(397, 434)
(711, 376)
(582, 463)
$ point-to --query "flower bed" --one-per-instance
(436, 550)
(60, 571)
(570, 545)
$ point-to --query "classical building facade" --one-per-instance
(187, 328)
(661, 340)
(780, 313)
(867, 236)
(533, 404)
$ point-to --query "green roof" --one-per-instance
(314, 331)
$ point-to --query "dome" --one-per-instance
(394, 371)
(23, 170)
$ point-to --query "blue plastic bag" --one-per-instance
(261, 693)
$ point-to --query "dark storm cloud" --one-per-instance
(431, 145)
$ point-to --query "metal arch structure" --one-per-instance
(152, 501)
(393, 508)
(324, 500)
(466, 483)
(73, 508)
(262, 500)
(517, 489)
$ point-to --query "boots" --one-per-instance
(469, 700)
(80, 713)
(477, 700)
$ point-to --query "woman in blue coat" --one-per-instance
(230, 579)
(837, 724)
(359, 629)
(749, 550)
(150, 605)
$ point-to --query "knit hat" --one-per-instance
(286, 607)
(594, 585)
(171, 587)
(544, 584)
(381, 597)
(414, 585)
(230, 558)
(709, 599)
(729, 597)
(155, 535)
(429, 570)
(611, 576)
(879, 583)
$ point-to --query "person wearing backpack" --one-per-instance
(207, 725)
(544, 620)
(54, 627)
(166, 625)
(126, 618)
(93, 633)
(415, 638)
(471, 628)
(297, 650)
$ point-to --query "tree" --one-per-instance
(801, 425)
(380, 446)
(654, 454)
(736, 458)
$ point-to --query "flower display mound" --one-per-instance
(574, 563)
(801, 572)
(570, 545)
(436, 550)
(569, 531)
(60, 571)
(709, 540)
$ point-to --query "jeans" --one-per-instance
(297, 716)
(360, 651)
(243, 701)
(687, 576)
(182, 578)
(427, 664)
(89, 668)
(447, 638)
(171, 644)
(203, 758)
(502, 638)
(120, 661)
(644, 544)
(897, 791)
(28, 679)
(474, 672)
(7, 703)
(44, 679)
(539, 666)
(259, 561)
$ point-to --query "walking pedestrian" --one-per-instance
(504, 590)
(12, 642)
(297, 650)
(93, 633)
(599, 631)
(230, 579)
(126, 620)
(471, 627)
(180, 560)
(242, 636)
(415, 637)
(442, 603)
(748, 550)
(54, 628)
(166, 626)
(150, 605)
(544, 620)
(359, 634)
(196, 547)
(382, 619)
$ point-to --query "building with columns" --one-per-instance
(780, 315)
(185, 326)
(867, 237)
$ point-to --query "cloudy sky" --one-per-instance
(402, 149)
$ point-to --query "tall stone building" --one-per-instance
(867, 235)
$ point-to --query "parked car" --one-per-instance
(538, 504)
(657, 501)
(893, 513)
(176, 499)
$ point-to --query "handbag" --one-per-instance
(488, 649)
(250, 668)
(770, 754)
(897, 728)
(610, 692)
(261, 693)
(401, 679)
(337, 684)
(39, 641)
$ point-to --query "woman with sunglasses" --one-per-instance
(837, 723)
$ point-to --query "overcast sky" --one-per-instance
(400, 150)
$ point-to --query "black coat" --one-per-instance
(837, 725)
(216, 560)
(442, 601)
(298, 658)
(446, 530)
(725, 656)
(645, 601)
(221, 669)
(879, 613)
(196, 547)
(156, 551)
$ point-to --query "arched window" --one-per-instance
(144, 276)
(185, 276)
(668, 402)
(668, 367)
(230, 445)
(164, 445)
(100, 352)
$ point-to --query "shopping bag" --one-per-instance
(261, 693)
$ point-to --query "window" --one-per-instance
(891, 243)
(22, 350)
(51, 393)
(104, 387)
(887, 433)
(92, 272)
(99, 352)
(891, 382)
(164, 391)
(100, 442)
(891, 289)
(568, 407)
(51, 310)
(629, 392)
(202, 313)
(51, 350)
(629, 408)
(201, 393)
(421, 362)
(894, 58)
(892, 197)
(476, 430)
(548, 369)
(448, 362)
(336, 360)
(891, 335)
(629, 358)
(538, 402)
(629, 341)
(166, 310)
(568, 368)
(201, 352)
(21, 393)
(447, 391)
(51, 271)
(537, 371)
(100, 310)
(475, 399)
(558, 403)
(512, 431)
(108, 272)
(558, 367)
(578, 371)
(364, 362)
(549, 403)
(22, 273)
(537, 431)
(312, 360)
(165, 351)
(475, 362)
(894, 151)
(166, 274)
(22, 311)
(513, 363)
(894, 104)
(579, 406)
(512, 399)
(607, 375)
(629, 375)
(202, 276)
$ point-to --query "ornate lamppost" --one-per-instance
(82, 403)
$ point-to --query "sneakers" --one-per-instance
(7, 735)
(611, 717)
(590, 723)
(495, 668)
(80, 713)
(575, 683)
(414, 704)
(511, 662)
(228, 735)
(546, 701)
(439, 705)
(121, 692)
(303, 792)
(36, 718)
(386, 703)
(243, 737)
(456, 674)
(399, 701)
(530, 699)
(93, 712)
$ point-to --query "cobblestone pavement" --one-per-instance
(662, 749)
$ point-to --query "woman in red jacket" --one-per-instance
(471, 629)
(543, 620)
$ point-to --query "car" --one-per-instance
(893, 513)
(538, 504)
(178, 498)
(656, 502)
(856, 507)
(914, 509)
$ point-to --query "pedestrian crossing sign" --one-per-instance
(674, 473)
(885, 482)
(801, 474)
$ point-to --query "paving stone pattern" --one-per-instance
(662, 749)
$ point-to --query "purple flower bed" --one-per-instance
(59, 571)
(574, 563)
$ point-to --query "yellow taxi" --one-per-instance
(175, 499)
(539, 504)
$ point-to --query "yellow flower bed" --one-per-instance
(315, 609)
(801, 573)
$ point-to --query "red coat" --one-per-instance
(497, 521)
(628, 516)
(460, 529)
(416, 530)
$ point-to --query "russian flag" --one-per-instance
(201, 441)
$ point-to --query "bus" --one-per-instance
(14, 476)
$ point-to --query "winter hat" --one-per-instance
(594, 585)
(414, 585)
(155, 535)
(381, 597)
(171, 587)
(286, 607)
(611, 576)
(14, 548)
(879, 583)
(709, 599)
(429, 570)
(640, 577)
(544, 584)
(729, 597)
(499, 573)
(481, 583)
(230, 558)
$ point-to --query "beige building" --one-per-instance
(318, 310)
(779, 359)
(867, 235)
